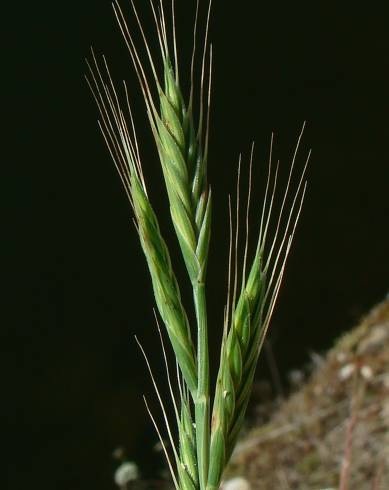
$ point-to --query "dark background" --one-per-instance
(76, 286)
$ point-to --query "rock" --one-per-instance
(236, 484)
(126, 473)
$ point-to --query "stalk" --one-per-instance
(202, 397)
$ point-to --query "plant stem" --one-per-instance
(202, 398)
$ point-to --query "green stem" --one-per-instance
(202, 396)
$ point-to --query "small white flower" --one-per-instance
(346, 371)
(125, 473)
(366, 372)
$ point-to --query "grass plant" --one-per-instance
(207, 432)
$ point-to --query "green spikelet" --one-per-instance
(239, 355)
(166, 290)
(184, 169)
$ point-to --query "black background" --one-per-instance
(76, 286)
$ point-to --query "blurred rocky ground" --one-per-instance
(333, 432)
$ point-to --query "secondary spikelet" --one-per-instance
(248, 323)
